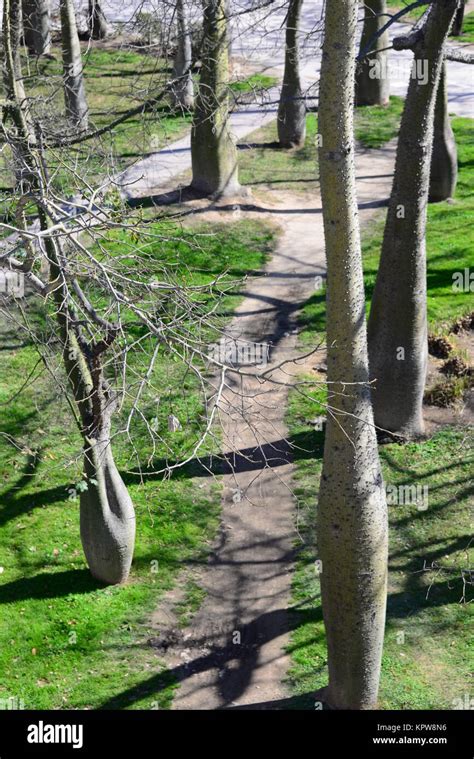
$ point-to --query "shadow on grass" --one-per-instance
(49, 585)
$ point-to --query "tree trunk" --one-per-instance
(183, 89)
(444, 158)
(16, 105)
(352, 515)
(292, 109)
(398, 342)
(107, 516)
(73, 78)
(213, 151)
(99, 29)
(37, 26)
(372, 83)
(458, 22)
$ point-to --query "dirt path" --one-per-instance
(233, 652)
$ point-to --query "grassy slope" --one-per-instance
(66, 642)
(427, 657)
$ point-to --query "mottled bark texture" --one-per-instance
(213, 151)
(372, 83)
(444, 158)
(37, 26)
(99, 28)
(398, 342)
(106, 511)
(183, 88)
(73, 78)
(292, 108)
(352, 515)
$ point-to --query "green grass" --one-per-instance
(253, 83)
(450, 241)
(375, 125)
(467, 30)
(428, 655)
(262, 163)
(414, 15)
(65, 640)
(116, 80)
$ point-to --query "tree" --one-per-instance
(99, 28)
(183, 89)
(458, 22)
(292, 109)
(73, 77)
(213, 151)
(352, 518)
(104, 317)
(37, 26)
(372, 82)
(398, 343)
(444, 158)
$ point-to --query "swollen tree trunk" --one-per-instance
(292, 109)
(37, 26)
(352, 518)
(372, 83)
(73, 78)
(99, 29)
(444, 158)
(398, 342)
(183, 89)
(213, 151)
(458, 22)
(107, 515)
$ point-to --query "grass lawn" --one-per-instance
(428, 654)
(468, 29)
(263, 164)
(116, 80)
(412, 16)
(65, 640)
(450, 241)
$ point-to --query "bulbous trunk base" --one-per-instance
(107, 519)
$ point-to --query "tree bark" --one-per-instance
(398, 342)
(372, 82)
(213, 151)
(37, 26)
(444, 158)
(73, 78)
(292, 108)
(183, 90)
(458, 22)
(99, 28)
(352, 515)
